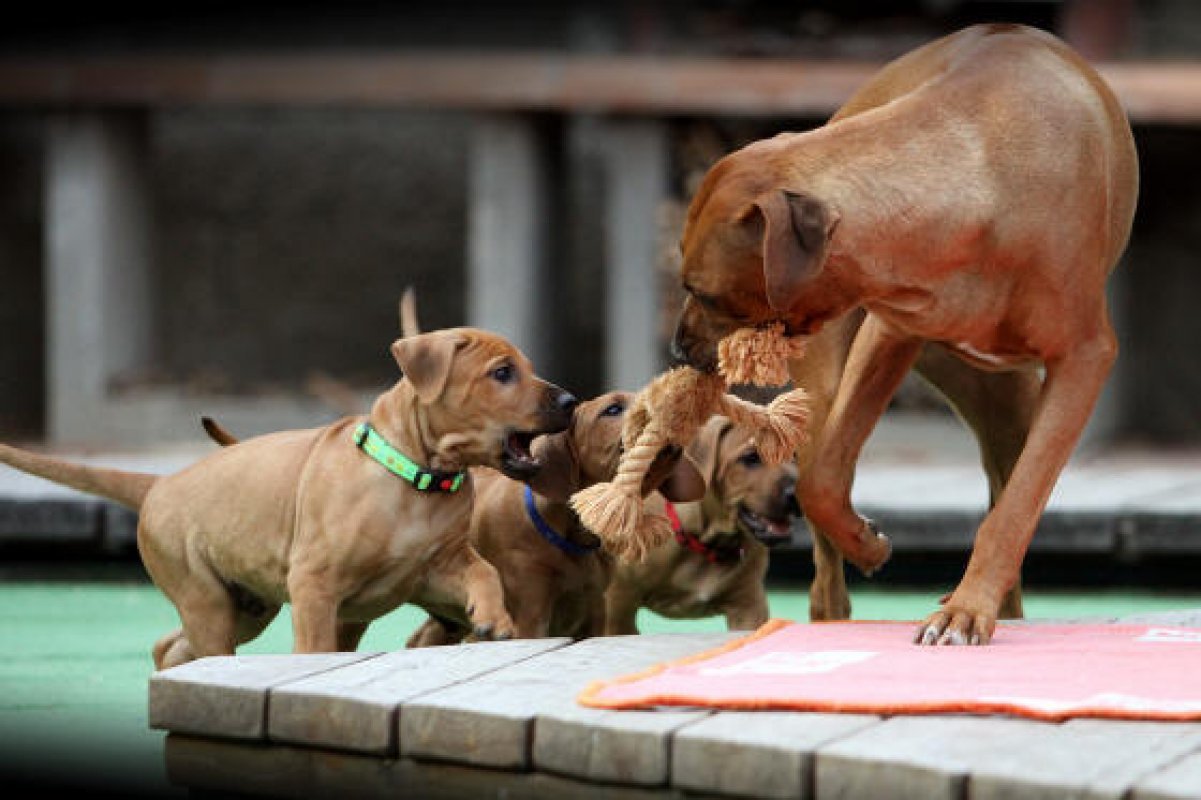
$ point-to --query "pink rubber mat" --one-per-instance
(1048, 672)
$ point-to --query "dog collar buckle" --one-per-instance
(423, 480)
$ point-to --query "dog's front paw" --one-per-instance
(960, 622)
(870, 549)
(495, 626)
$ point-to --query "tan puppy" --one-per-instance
(552, 568)
(308, 517)
(718, 560)
(973, 199)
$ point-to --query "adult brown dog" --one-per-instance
(718, 561)
(972, 199)
(553, 570)
(308, 517)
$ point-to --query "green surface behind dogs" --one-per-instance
(74, 660)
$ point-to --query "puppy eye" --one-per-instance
(750, 459)
(615, 410)
(503, 374)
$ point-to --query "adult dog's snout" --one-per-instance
(688, 348)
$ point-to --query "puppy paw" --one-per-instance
(497, 627)
(959, 623)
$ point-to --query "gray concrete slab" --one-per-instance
(227, 695)
(496, 720)
(269, 770)
(1180, 780)
(923, 758)
(355, 707)
(1083, 758)
(765, 754)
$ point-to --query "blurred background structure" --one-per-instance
(205, 205)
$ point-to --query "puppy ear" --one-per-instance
(559, 477)
(425, 361)
(685, 484)
(796, 229)
(703, 449)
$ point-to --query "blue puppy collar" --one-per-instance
(550, 534)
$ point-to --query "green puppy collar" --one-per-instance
(396, 462)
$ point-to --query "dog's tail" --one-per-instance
(408, 313)
(127, 488)
(217, 432)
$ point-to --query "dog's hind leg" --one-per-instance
(998, 408)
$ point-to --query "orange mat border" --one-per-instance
(589, 696)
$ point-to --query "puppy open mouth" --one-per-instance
(770, 531)
(516, 461)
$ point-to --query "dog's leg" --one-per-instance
(532, 608)
(828, 595)
(1069, 392)
(434, 633)
(879, 359)
(998, 407)
(749, 612)
(621, 612)
(597, 619)
(819, 373)
(314, 611)
(462, 576)
(350, 634)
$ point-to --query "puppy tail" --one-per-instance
(127, 488)
(218, 432)
(408, 313)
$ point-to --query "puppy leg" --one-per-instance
(998, 407)
(748, 612)
(314, 611)
(1069, 393)
(463, 577)
(621, 612)
(532, 604)
(350, 634)
(819, 373)
(879, 359)
(433, 633)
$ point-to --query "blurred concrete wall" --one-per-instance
(283, 238)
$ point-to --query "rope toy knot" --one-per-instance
(671, 409)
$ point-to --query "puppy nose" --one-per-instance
(566, 401)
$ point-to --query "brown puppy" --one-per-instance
(718, 560)
(553, 570)
(308, 517)
(972, 199)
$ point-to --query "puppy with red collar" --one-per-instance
(717, 562)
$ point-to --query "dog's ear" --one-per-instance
(705, 446)
(426, 360)
(796, 229)
(685, 484)
(559, 476)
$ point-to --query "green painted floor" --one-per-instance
(75, 657)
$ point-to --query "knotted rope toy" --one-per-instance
(672, 408)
